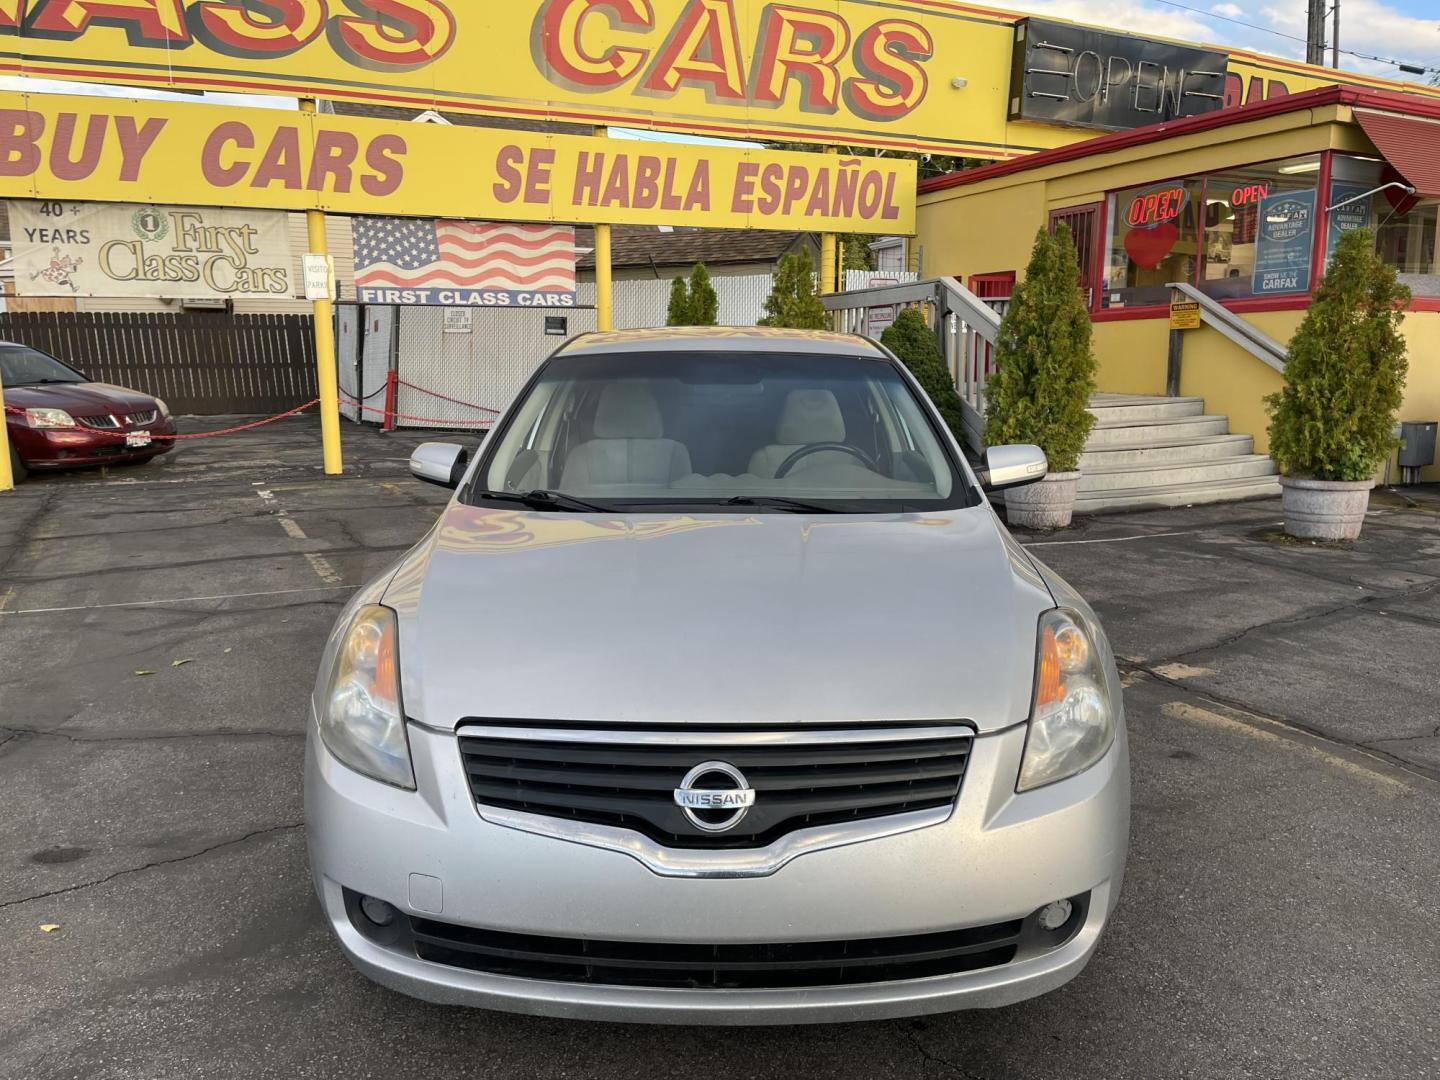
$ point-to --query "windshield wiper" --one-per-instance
(541, 499)
(780, 502)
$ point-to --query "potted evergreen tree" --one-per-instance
(910, 338)
(1333, 423)
(1045, 374)
(793, 302)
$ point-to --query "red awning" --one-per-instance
(1410, 143)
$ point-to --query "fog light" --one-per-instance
(382, 914)
(1052, 916)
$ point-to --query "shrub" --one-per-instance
(679, 310)
(704, 304)
(1045, 369)
(910, 338)
(793, 301)
(1345, 372)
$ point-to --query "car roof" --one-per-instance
(746, 339)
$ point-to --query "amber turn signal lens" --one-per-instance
(1049, 688)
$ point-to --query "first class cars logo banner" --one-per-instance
(106, 149)
(118, 249)
(905, 74)
(463, 263)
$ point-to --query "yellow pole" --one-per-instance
(827, 252)
(604, 280)
(325, 343)
(7, 476)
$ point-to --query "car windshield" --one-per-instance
(722, 431)
(21, 366)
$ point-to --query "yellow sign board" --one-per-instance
(65, 148)
(1184, 315)
(929, 75)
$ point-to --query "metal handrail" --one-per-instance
(965, 325)
(1240, 331)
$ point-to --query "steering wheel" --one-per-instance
(816, 448)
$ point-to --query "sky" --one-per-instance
(1406, 30)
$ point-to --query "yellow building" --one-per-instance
(1242, 205)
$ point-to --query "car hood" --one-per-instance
(717, 619)
(80, 399)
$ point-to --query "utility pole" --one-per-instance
(1335, 36)
(1315, 34)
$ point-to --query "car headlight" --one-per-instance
(1072, 719)
(361, 720)
(49, 418)
(164, 409)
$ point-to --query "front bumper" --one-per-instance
(999, 857)
(65, 448)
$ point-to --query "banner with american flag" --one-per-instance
(463, 263)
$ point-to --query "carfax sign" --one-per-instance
(1285, 239)
(931, 75)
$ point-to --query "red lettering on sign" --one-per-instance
(135, 142)
(63, 162)
(212, 164)
(1151, 208)
(333, 166)
(146, 22)
(20, 131)
(1249, 193)
(556, 41)
(889, 55)
(804, 45)
(382, 158)
(232, 27)
(702, 50)
(398, 35)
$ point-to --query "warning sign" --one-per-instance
(1184, 315)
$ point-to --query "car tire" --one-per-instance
(17, 467)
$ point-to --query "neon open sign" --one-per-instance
(1157, 206)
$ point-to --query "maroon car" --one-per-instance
(58, 419)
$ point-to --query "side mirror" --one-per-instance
(1013, 466)
(440, 463)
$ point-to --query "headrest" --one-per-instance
(627, 410)
(810, 416)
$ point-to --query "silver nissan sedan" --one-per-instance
(719, 694)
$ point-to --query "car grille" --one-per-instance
(718, 967)
(627, 777)
(141, 419)
(104, 423)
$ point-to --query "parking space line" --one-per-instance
(1195, 714)
(323, 567)
(1112, 539)
(179, 600)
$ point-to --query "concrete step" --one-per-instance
(1155, 431)
(1099, 502)
(1204, 448)
(1130, 477)
(1118, 409)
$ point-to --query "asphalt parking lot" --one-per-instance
(159, 630)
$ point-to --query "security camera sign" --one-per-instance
(129, 250)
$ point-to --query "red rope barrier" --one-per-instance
(442, 397)
(388, 412)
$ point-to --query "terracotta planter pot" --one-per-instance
(1046, 505)
(1325, 509)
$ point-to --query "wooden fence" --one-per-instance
(201, 363)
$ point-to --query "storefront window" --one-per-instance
(1154, 235)
(1405, 227)
(1260, 229)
